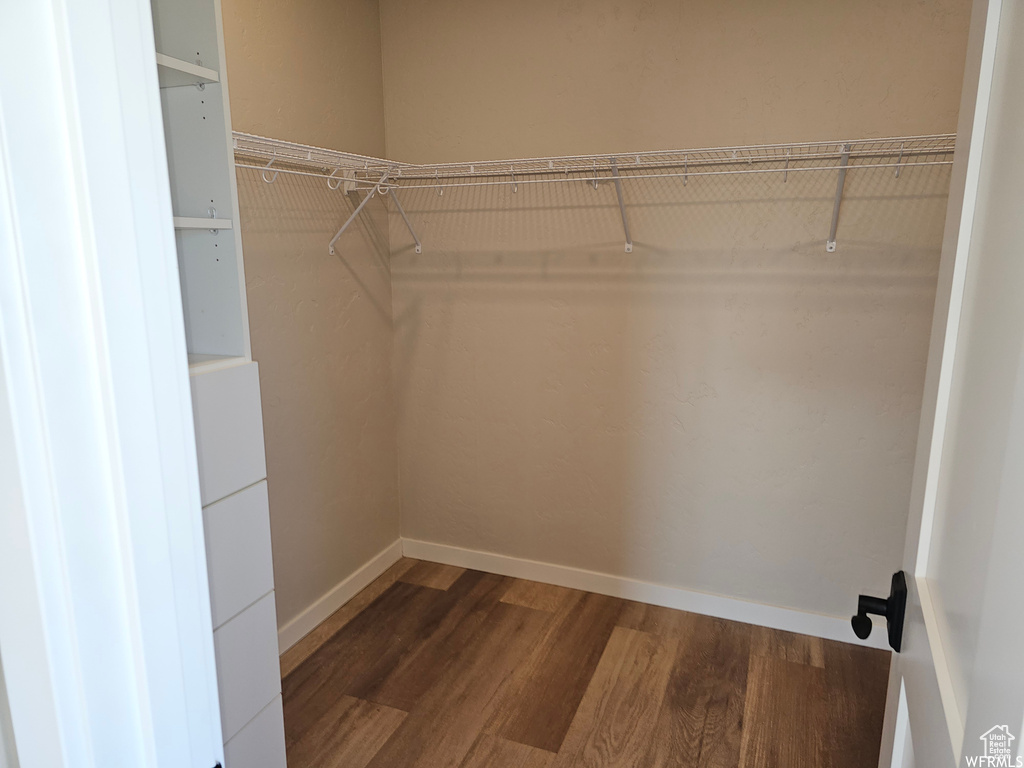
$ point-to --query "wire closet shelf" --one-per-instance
(380, 176)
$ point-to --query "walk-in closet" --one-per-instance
(566, 375)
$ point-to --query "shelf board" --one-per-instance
(197, 222)
(175, 72)
(208, 363)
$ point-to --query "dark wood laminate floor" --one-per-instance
(439, 667)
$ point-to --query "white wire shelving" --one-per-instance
(380, 176)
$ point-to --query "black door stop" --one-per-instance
(892, 608)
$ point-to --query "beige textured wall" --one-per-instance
(480, 79)
(307, 71)
(321, 332)
(310, 71)
(728, 409)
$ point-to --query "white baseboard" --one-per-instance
(735, 609)
(341, 593)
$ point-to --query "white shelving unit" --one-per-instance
(225, 380)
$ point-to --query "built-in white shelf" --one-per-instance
(197, 222)
(223, 378)
(176, 72)
(209, 363)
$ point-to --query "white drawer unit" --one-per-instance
(248, 671)
(225, 381)
(229, 430)
(238, 551)
(260, 744)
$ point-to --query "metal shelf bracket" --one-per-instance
(401, 210)
(622, 205)
(844, 162)
(356, 212)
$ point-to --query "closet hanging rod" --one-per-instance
(292, 152)
(493, 180)
(362, 181)
(380, 176)
(901, 152)
(737, 154)
(589, 179)
(643, 171)
(627, 163)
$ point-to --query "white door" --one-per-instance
(105, 631)
(956, 694)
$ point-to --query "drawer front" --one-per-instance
(238, 554)
(260, 744)
(248, 672)
(229, 430)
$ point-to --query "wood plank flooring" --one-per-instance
(433, 666)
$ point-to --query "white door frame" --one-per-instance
(107, 639)
(924, 669)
